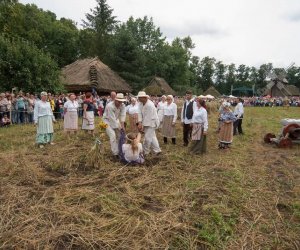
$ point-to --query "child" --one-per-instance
(5, 122)
(132, 150)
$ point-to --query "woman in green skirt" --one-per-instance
(43, 119)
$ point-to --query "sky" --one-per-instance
(248, 32)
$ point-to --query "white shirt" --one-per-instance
(132, 109)
(200, 116)
(129, 154)
(171, 110)
(71, 106)
(42, 109)
(161, 105)
(113, 115)
(239, 110)
(185, 120)
(148, 115)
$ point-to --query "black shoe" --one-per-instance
(174, 141)
(165, 140)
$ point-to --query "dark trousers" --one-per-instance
(21, 115)
(187, 132)
(237, 126)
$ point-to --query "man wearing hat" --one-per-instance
(148, 121)
(115, 116)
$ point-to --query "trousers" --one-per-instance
(187, 131)
(237, 126)
(114, 136)
(150, 141)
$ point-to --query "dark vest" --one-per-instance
(189, 110)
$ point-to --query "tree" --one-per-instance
(58, 37)
(220, 77)
(24, 66)
(230, 77)
(102, 22)
(207, 66)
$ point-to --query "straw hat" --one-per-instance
(120, 97)
(142, 94)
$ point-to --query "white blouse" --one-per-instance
(132, 109)
(129, 154)
(200, 116)
(171, 110)
(42, 109)
(71, 106)
(161, 105)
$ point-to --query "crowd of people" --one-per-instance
(145, 115)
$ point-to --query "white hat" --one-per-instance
(43, 93)
(226, 104)
(142, 94)
(120, 97)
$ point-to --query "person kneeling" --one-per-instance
(132, 150)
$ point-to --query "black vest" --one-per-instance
(189, 110)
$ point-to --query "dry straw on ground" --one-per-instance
(56, 198)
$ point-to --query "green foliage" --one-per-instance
(24, 66)
(101, 25)
(58, 37)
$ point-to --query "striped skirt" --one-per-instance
(197, 131)
(168, 130)
(71, 121)
(133, 119)
(226, 132)
(88, 123)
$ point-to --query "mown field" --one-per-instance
(58, 198)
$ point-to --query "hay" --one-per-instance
(55, 199)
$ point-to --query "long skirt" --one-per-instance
(198, 144)
(88, 123)
(44, 130)
(226, 133)
(168, 130)
(133, 119)
(71, 121)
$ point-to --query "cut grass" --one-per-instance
(58, 198)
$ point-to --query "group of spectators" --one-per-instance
(19, 108)
(271, 101)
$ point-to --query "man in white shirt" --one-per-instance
(115, 116)
(239, 113)
(187, 112)
(148, 122)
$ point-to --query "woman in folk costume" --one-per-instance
(169, 120)
(88, 121)
(132, 111)
(132, 150)
(43, 118)
(200, 127)
(160, 108)
(227, 119)
(71, 115)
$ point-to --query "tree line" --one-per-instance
(35, 45)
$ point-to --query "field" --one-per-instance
(58, 198)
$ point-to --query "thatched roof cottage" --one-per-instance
(158, 86)
(85, 74)
(212, 91)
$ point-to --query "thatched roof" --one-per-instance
(212, 91)
(159, 86)
(85, 74)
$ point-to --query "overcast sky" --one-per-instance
(251, 32)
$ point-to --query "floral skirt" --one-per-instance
(88, 123)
